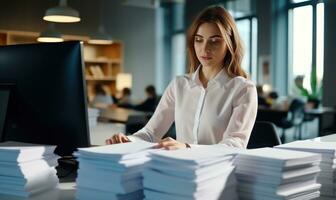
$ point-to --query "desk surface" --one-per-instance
(119, 115)
(65, 191)
(320, 111)
(67, 188)
(102, 131)
(327, 138)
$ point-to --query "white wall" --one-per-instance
(135, 26)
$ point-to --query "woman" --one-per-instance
(101, 99)
(215, 103)
(125, 99)
(149, 104)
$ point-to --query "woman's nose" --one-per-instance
(207, 47)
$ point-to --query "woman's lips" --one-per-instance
(206, 57)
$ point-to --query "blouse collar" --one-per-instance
(220, 79)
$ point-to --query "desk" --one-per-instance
(65, 191)
(276, 116)
(102, 131)
(319, 112)
(67, 186)
(119, 115)
(328, 138)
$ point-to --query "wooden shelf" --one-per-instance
(104, 61)
(100, 79)
(3, 38)
(19, 37)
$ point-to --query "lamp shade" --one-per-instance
(50, 35)
(101, 37)
(124, 80)
(62, 14)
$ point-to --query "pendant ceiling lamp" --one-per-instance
(50, 35)
(101, 37)
(62, 14)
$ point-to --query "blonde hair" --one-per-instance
(226, 24)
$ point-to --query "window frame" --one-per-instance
(290, 7)
(253, 69)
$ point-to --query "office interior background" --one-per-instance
(283, 39)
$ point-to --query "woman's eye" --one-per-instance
(215, 40)
(197, 39)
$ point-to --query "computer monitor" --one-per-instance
(43, 95)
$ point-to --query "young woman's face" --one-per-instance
(209, 45)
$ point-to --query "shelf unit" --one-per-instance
(102, 62)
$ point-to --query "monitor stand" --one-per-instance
(5, 91)
(67, 169)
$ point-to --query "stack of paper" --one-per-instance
(26, 169)
(327, 150)
(186, 174)
(112, 172)
(268, 173)
(93, 115)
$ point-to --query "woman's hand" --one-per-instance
(118, 138)
(171, 144)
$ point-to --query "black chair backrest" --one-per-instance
(296, 110)
(263, 135)
(135, 123)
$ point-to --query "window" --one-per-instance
(298, 1)
(302, 40)
(178, 54)
(178, 40)
(247, 28)
(244, 13)
(320, 41)
(306, 40)
(244, 31)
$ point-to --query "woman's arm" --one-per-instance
(244, 113)
(161, 120)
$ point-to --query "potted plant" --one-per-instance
(314, 93)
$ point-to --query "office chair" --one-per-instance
(263, 134)
(294, 119)
(307, 119)
(332, 128)
(135, 123)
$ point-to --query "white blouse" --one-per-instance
(223, 113)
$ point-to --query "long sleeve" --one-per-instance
(223, 113)
(161, 120)
(242, 119)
